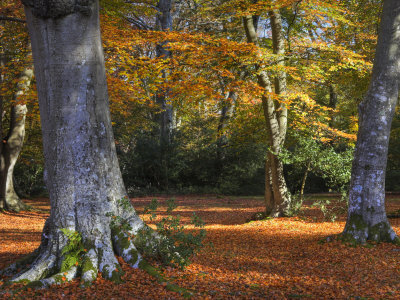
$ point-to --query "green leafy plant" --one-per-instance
(73, 250)
(332, 207)
(295, 205)
(116, 221)
(173, 246)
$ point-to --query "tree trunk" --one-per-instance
(303, 181)
(332, 104)
(268, 192)
(81, 167)
(165, 118)
(12, 145)
(226, 113)
(276, 121)
(366, 214)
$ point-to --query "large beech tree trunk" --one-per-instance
(81, 167)
(277, 196)
(12, 145)
(366, 214)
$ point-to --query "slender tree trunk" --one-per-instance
(276, 121)
(81, 167)
(366, 214)
(332, 103)
(303, 181)
(269, 199)
(165, 118)
(226, 113)
(12, 146)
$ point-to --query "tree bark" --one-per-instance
(366, 213)
(276, 121)
(81, 167)
(12, 145)
(303, 181)
(165, 117)
(227, 107)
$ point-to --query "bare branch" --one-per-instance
(4, 18)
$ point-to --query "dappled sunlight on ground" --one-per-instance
(275, 259)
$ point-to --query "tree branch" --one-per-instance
(4, 18)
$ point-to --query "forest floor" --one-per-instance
(274, 259)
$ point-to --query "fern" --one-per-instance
(73, 250)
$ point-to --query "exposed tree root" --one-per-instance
(42, 268)
(43, 264)
(20, 264)
(358, 231)
(89, 268)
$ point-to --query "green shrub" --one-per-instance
(173, 246)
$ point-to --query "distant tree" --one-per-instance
(366, 214)
(11, 145)
(277, 195)
(15, 64)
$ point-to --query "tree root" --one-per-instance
(39, 268)
(58, 278)
(20, 264)
(89, 268)
(100, 256)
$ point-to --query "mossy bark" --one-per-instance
(81, 167)
(366, 214)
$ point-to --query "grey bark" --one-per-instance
(227, 105)
(81, 167)
(165, 117)
(12, 145)
(277, 196)
(366, 213)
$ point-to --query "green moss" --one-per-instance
(116, 275)
(348, 239)
(24, 281)
(123, 240)
(175, 288)
(87, 266)
(381, 233)
(37, 284)
(357, 222)
(134, 256)
(356, 225)
(49, 272)
(144, 265)
(59, 279)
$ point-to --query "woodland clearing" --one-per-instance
(281, 258)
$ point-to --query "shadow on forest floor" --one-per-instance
(275, 259)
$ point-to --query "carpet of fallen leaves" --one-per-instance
(274, 259)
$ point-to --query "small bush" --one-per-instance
(174, 246)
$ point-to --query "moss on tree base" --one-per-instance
(358, 231)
